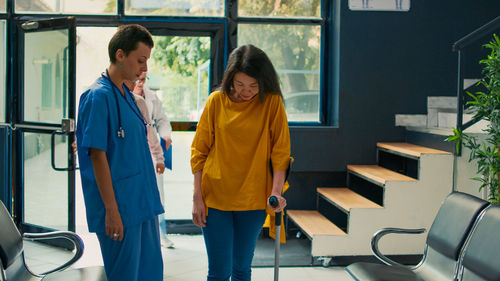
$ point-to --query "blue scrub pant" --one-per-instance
(230, 239)
(137, 257)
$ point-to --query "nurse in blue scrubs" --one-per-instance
(121, 197)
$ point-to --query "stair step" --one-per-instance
(411, 120)
(346, 198)
(442, 103)
(408, 149)
(377, 174)
(313, 223)
(449, 120)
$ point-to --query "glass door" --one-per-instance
(44, 116)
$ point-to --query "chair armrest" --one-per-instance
(71, 236)
(379, 234)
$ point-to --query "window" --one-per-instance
(190, 8)
(295, 53)
(178, 73)
(279, 9)
(66, 6)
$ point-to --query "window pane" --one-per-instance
(3, 67)
(178, 73)
(3, 6)
(66, 6)
(205, 8)
(45, 189)
(92, 57)
(45, 70)
(295, 53)
(178, 182)
(380, 5)
(278, 8)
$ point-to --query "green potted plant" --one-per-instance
(486, 106)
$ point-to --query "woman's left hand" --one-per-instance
(281, 203)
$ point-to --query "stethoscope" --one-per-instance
(116, 92)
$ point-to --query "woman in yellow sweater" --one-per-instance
(242, 130)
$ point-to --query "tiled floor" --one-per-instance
(186, 262)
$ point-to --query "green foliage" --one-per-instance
(486, 106)
(181, 54)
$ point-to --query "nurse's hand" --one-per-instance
(168, 142)
(160, 168)
(114, 225)
(199, 216)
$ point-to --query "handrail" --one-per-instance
(458, 47)
(476, 34)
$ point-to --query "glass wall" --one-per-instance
(66, 6)
(295, 53)
(190, 8)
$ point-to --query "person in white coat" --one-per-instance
(164, 130)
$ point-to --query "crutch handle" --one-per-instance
(273, 201)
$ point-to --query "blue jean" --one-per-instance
(230, 239)
(137, 257)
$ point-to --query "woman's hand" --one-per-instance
(114, 225)
(281, 203)
(199, 216)
(160, 168)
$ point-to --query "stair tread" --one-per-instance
(346, 198)
(410, 149)
(378, 174)
(313, 223)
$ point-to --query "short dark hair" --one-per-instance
(255, 63)
(127, 38)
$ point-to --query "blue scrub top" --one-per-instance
(129, 158)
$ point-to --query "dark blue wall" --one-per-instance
(389, 62)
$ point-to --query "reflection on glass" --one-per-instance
(3, 71)
(380, 5)
(66, 6)
(278, 8)
(295, 53)
(204, 8)
(3, 6)
(45, 76)
(45, 190)
(178, 73)
(178, 182)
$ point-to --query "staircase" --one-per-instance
(441, 115)
(404, 189)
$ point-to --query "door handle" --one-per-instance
(67, 128)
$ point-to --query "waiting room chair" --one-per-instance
(13, 266)
(481, 255)
(447, 235)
